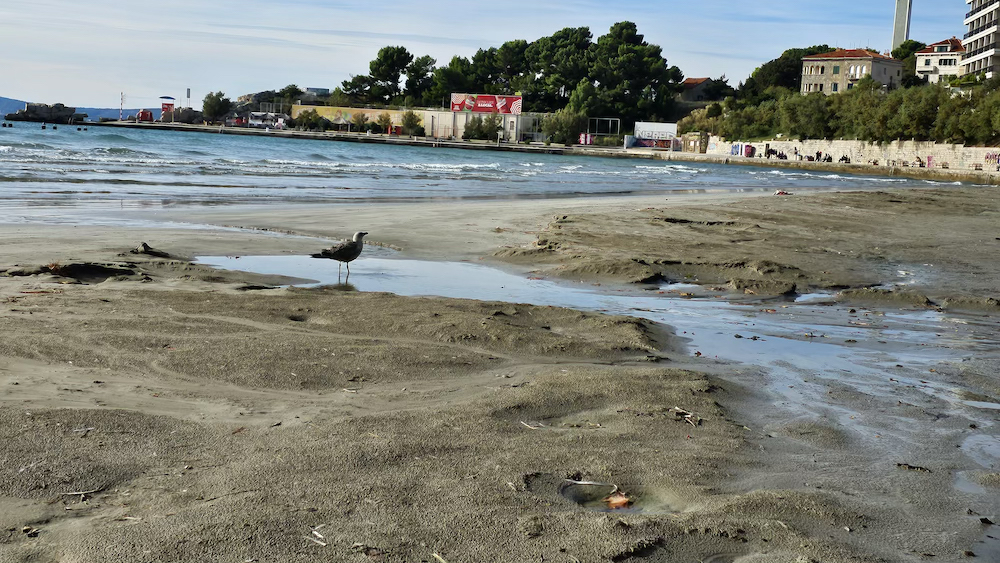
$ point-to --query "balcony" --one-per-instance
(978, 30)
(979, 51)
(982, 8)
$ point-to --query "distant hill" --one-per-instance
(10, 105)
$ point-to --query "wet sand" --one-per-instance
(158, 410)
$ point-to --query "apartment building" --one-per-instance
(980, 41)
(941, 61)
(838, 71)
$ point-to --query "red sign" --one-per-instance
(486, 103)
(167, 107)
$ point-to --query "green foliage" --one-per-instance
(483, 128)
(359, 89)
(635, 81)
(866, 112)
(719, 89)
(419, 80)
(359, 120)
(626, 76)
(806, 117)
(215, 105)
(384, 121)
(338, 98)
(386, 71)
(290, 92)
(608, 141)
(907, 52)
(564, 126)
(411, 122)
(454, 78)
(785, 71)
(310, 120)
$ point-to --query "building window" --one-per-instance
(836, 87)
(941, 49)
(850, 86)
(836, 69)
(820, 87)
(927, 62)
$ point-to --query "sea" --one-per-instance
(77, 166)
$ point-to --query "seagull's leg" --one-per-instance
(348, 272)
(339, 266)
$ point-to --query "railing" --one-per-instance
(980, 29)
(986, 6)
(971, 54)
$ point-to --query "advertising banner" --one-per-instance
(486, 103)
(167, 107)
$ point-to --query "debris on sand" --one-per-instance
(144, 248)
(617, 500)
(909, 467)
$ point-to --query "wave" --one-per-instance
(121, 151)
(113, 137)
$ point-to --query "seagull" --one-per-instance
(345, 252)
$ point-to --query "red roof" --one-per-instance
(849, 54)
(954, 46)
(693, 82)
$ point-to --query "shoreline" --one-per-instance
(980, 177)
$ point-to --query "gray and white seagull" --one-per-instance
(345, 252)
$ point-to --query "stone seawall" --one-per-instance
(915, 159)
(933, 174)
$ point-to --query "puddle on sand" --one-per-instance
(808, 348)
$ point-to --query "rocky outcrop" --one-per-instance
(183, 115)
(45, 113)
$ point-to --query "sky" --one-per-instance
(86, 54)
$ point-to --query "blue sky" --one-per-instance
(85, 54)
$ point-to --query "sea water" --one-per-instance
(141, 167)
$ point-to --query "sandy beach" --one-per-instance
(156, 409)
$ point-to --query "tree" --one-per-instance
(512, 66)
(483, 128)
(215, 105)
(719, 89)
(384, 121)
(411, 123)
(338, 98)
(420, 78)
(633, 77)
(785, 71)
(907, 52)
(359, 120)
(387, 70)
(564, 126)
(290, 92)
(310, 120)
(806, 117)
(359, 89)
(560, 62)
(454, 78)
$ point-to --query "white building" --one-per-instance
(981, 40)
(941, 61)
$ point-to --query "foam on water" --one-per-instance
(145, 165)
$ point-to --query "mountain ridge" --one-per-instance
(11, 105)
